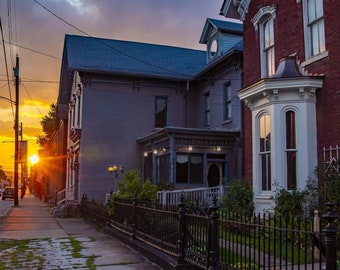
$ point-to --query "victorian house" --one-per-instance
(290, 92)
(171, 113)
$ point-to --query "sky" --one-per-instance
(35, 30)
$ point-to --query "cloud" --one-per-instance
(175, 22)
(83, 7)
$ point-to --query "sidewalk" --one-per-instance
(61, 243)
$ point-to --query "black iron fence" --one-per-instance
(221, 240)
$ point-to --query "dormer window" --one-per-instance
(220, 37)
(213, 46)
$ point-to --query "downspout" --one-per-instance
(187, 88)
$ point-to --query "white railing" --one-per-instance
(202, 196)
(65, 195)
(331, 157)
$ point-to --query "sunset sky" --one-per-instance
(35, 29)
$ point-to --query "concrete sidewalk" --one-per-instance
(53, 242)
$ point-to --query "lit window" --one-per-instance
(291, 150)
(314, 27)
(161, 112)
(264, 153)
(263, 22)
(268, 47)
(227, 101)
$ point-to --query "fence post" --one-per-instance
(213, 252)
(83, 203)
(330, 231)
(181, 231)
(134, 217)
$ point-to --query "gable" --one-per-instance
(236, 9)
(212, 26)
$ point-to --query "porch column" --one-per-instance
(172, 159)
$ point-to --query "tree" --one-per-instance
(3, 175)
(48, 123)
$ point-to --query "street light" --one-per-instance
(114, 169)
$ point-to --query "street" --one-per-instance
(4, 205)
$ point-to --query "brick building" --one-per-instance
(290, 94)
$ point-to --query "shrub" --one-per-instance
(132, 186)
(289, 203)
(238, 198)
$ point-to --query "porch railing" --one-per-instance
(65, 194)
(202, 196)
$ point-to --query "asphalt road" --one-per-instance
(4, 205)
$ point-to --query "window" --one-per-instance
(291, 150)
(263, 21)
(314, 28)
(163, 168)
(161, 112)
(268, 47)
(264, 154)
(207, 109)
(227, 101)
(189, 168)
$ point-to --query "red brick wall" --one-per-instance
(289, 39)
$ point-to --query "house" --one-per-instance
(290, 93)
(171, 113)
(50, 173)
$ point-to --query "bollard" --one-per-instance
(330, 232)
(213, 251)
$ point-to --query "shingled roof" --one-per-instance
(131, 58)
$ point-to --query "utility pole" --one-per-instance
(16, 128)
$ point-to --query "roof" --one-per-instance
(131, 58)
(127, 58)
(223, 26)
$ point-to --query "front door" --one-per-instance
(214, 175)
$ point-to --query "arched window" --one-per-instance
(290, 149)
(265, 152)
(263, 21)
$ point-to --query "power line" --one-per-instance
(8, 81)
(105, 44)
(35, 105)
(22, 47)
(10, 31)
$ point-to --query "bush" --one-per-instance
(132, 186)
(239, 198)
(289, 203)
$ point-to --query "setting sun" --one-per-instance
(34, 159)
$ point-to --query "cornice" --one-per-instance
(265, 85)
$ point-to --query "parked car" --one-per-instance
(8, 193)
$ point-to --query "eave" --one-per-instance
(257, 89)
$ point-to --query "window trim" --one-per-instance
(165, 98)
(260, 154)
(289, 149)
(265, 14)
(309, 57)
(227, 102)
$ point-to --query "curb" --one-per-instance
(161, 259)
